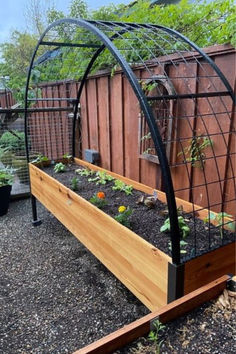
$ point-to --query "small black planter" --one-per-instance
(5, 192)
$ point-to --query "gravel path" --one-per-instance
(55, 297)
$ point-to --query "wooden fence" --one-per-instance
(110, 116)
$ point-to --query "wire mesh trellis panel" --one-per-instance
(185, 99)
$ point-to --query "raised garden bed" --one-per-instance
(144, 267)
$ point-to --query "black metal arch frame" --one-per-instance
(93, 27)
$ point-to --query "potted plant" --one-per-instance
(6, 181)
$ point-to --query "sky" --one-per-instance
(12, 13)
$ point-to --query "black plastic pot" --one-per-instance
(5, 192)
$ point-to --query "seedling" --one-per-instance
(194, 152)
(155, 334)
(121, 186)
(124, 215)
(60, 167)
(75, 184)
(86, 172)
(219, 221)
(40, 160)
(183, 245)
(67, 158)
(184, 228)
(101, 178)
(98, 199)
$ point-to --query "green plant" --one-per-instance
(219, 221)
(184, 228)
(6, 156)
(6, 176)
(156, 333)
(124, 215)
(40, 159)
(59, 167)
(101, 178)
(13, 140)
(194, 152)
(85, 172)
(183, 245)
(67, 158)
(123, 187)
(74, 183)
(98, 199)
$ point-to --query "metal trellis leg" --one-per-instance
(35, 221)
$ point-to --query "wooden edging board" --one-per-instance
(140, 266)
(141, 327)
(187, 206)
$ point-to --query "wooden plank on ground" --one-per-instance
(141, 327)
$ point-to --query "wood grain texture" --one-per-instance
(136, 263)
(201, 270)
(141, 327)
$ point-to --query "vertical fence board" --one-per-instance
(103, 121)
(92, 114)
(116, 121)
(131, 121)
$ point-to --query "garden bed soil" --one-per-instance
(146, 222)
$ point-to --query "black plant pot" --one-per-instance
(5, 192)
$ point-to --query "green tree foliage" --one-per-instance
(205, 23)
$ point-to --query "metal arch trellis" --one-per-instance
(115, 31)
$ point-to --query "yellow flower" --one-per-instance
(121, 209)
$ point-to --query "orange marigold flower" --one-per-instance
(101, 195)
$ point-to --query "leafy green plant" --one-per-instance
(101, 178)
(124, 215)
(59, 167)
(194, 152)
(219, 221)
(183, 245)
(6, 176)
(184, 228)
(74, 183)
(156, 333)
(41, 159)
(98, 199)
(67, 158)
(13, 140)
(123, 187)
(86, 172)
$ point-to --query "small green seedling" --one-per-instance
(184, 228)
(219, 221)
(41, 158)
(98, 199)
(124, 215)
(121, 186)
(86, 172)
(59, 167)
(101, 178)
(183, 245)
(156, 333)
(74, 184)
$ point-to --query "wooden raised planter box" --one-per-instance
(145, 270)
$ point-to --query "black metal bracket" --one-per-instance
(175, 282)
(36, 222)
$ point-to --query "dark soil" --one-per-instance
(144, 221)
(55, 296)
